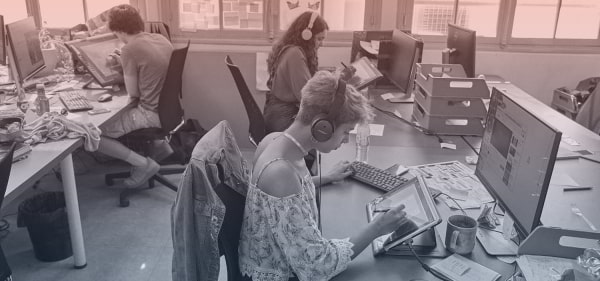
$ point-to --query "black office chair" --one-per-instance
(158, 27)
(257, 128)
(171, 119)
(5, 167)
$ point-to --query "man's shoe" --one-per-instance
(141, 174)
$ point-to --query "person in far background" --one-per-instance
(291, 63)
(145, 60)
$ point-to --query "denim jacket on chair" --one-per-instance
(197, 214)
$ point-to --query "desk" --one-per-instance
(46, 156)
(405, 145)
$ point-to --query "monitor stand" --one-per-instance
(92, 85)
(400, 97)
(426, 244)
(495, 244)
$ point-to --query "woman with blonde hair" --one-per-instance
(280, 239)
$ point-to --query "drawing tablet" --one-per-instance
(419, 208)
(93, 52)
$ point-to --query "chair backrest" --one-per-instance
(589, 113)
(5, 167)
(257, 128)
(229, 236)
(158, 27)
(169, 106)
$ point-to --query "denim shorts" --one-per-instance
(131, 119)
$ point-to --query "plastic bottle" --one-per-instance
(42, 105)
(363, 132)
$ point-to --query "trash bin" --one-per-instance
(46, 219)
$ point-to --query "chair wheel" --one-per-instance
(123, 202)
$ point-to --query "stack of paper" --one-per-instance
(459, 268)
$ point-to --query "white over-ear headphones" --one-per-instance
(307, 32)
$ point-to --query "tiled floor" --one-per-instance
(128, 244)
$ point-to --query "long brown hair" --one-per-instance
(293, 36)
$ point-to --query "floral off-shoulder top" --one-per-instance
(280, 238)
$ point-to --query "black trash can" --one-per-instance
(46, 219)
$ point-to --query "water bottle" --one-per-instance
(42, 105)
(363, 133)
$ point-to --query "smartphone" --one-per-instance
(98, 111)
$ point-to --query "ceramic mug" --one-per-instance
(461, 233)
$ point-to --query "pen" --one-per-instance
(343, 64)
(577, 188)
(381, 210)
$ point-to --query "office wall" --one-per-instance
(210, 94)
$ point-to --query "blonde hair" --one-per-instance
(317, 96)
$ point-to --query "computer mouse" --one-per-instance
(105, 98)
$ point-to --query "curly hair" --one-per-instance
(125, 18)
(317, 96)
(293, 36)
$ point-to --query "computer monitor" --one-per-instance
(460, 48)
(399, 59)
(2, 42)
(25, 50)
(516, 159)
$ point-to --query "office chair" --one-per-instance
(255, 118)
(5, 167)
(589, 113)
(158, 27)
(171, 119)
(217, 167)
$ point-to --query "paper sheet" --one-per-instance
(375, 129)
(543, 268)
(459, 268)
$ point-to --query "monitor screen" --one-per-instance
(404, 52)
(516, 160)
(2, 42)
(24, 43)
(460, 44)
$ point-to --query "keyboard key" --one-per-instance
(74, 101)
(376, 177)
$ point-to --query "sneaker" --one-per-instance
(141, 174)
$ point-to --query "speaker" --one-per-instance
(323, 125)
(307, 32)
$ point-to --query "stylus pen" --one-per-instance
(577, 188)
(343, 64)
(381, 210)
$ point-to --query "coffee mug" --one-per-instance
(460, 234)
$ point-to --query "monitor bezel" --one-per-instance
(21, 77)
(3, 42)
(521, 229)
(469, 48)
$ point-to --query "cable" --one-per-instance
(471, 146)
(424, 265)
(319, 190)
(454, 200)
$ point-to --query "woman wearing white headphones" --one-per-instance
(280, 239)
(292, 61)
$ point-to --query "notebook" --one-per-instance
(459, 268)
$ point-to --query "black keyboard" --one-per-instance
(74, 101)
(376, 177)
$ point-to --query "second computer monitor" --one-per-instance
(403, 53)
(516, 160)
(26, 52)
(461, 44)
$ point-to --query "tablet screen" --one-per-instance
(419, 208)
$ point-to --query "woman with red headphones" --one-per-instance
(292, 61)
(280, 238)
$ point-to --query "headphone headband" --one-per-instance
(324, 124)
(307, 32)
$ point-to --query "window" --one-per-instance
(237, 19)
(13, 10)
(512, 23)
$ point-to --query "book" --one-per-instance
(366, 73)
(459, 268)
(94, 52)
